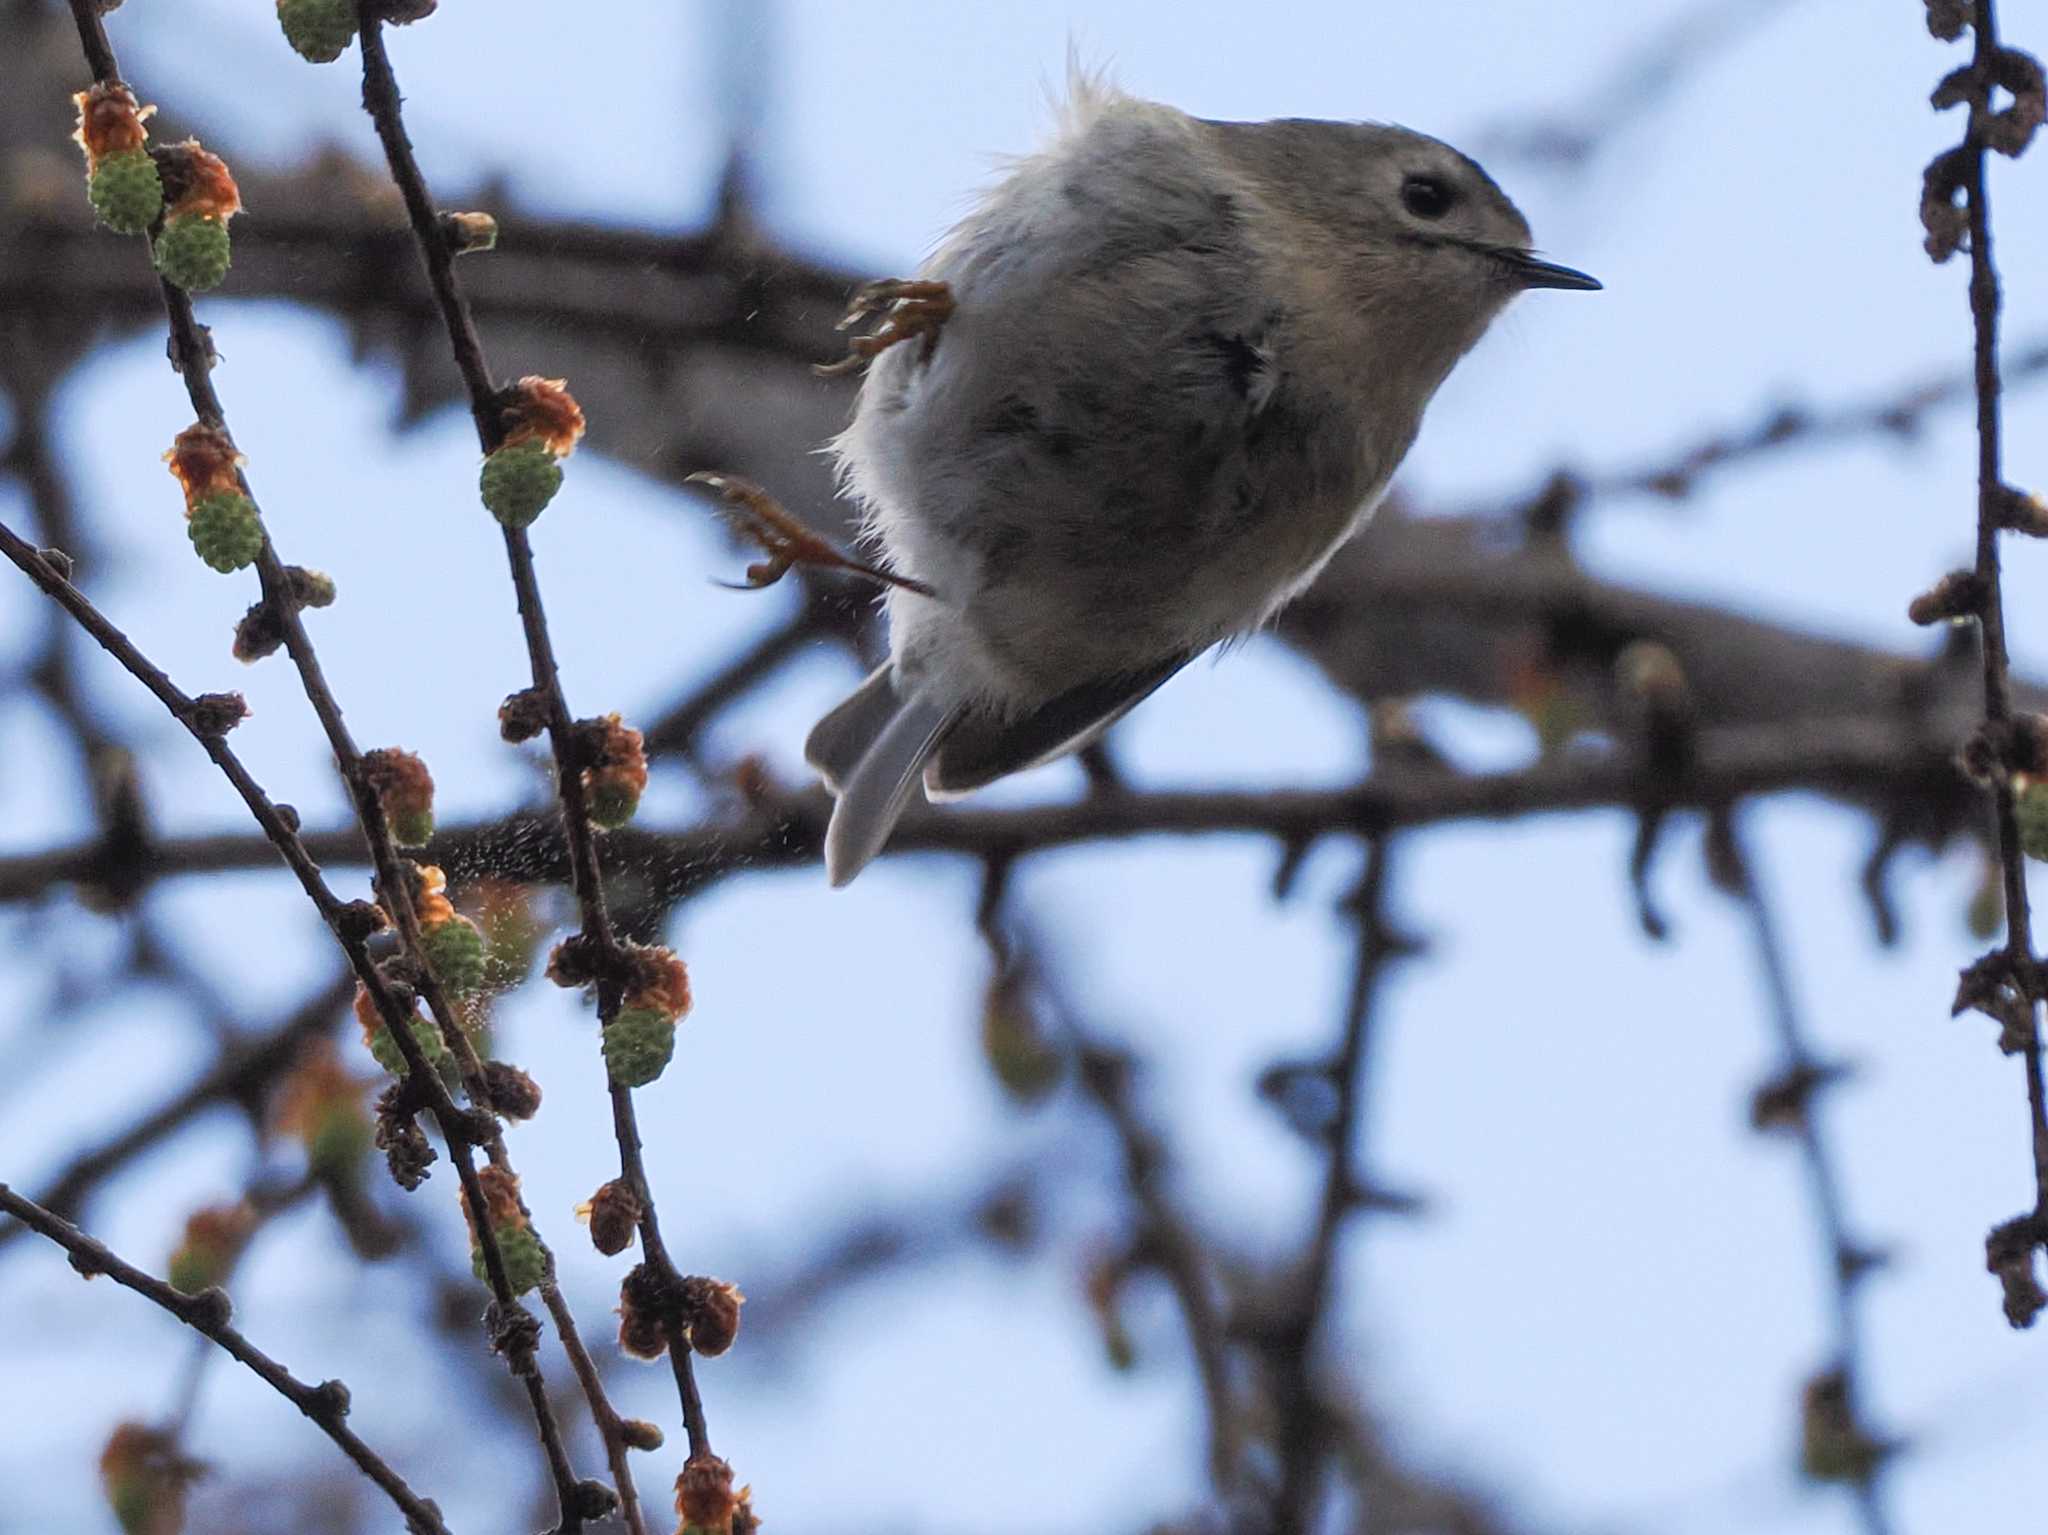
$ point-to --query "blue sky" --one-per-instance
(1611, 1309)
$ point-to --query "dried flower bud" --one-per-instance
(522, 716)
(2009, 1255)
(575, 961)
(203, 459)
(614, 1215)
(212, 715)
(109, 121)
(197, 183)
(658, 979)
(704, 1493)
(357, 921)
(260, 633)
(711, 1310)
(406, 1149)
(616, 776)
(510, 1091)
(1942, 213)
(542, 410)
(650, 1307)
(1947, 18)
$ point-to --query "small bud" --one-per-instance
(2009, 1255)
(310, 588)
(259, 634)
(1947, 18)
(522, 716)
(711, 1310)
(289, 815)
(614, 1215)
(212, 715)
(649, 1308)
(518, 482)
(1957, 595)
(318, 30)
(639, 1434)
(574, 961)
(58, 561)
(467, 232)
(510, 1091)
(192, 252)
(225, 531)
(359, 919)
(638, 1045)
(593, 1500)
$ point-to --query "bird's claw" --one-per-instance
(788, 542)
(904, 309)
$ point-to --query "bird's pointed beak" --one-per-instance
(1533, 272)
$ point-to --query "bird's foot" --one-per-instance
(785, 538)
(904, 309)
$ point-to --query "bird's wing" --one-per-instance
(980, 749)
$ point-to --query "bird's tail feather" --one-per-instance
(872, 750)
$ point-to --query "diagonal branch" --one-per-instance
(208, 1312)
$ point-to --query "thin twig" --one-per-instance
(193, 356)
(1295, 1342)
(208, 1312)
(1787, 1103)
(1992, 499)
(383, 102)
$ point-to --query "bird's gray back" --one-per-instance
(1116, 377)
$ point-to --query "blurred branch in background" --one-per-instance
(692, 351)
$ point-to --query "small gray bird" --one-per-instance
(1163, 370)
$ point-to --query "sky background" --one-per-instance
(1612, 1305)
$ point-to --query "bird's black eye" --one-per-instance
(1428, 197)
